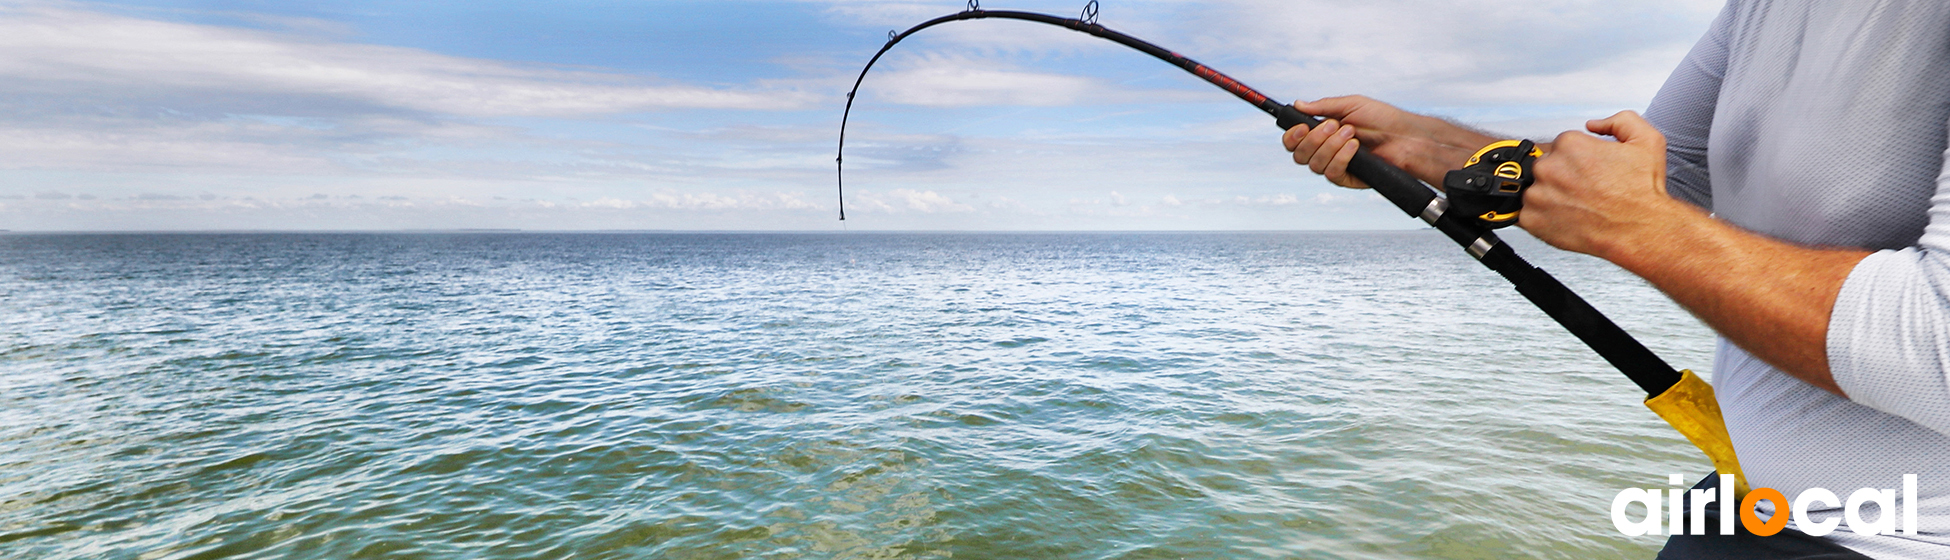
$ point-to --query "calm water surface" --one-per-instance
(1280, 395)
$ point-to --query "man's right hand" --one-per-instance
(1426, 147)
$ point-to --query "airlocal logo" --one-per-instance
(1675, 517)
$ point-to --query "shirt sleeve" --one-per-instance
(1889, 334)
(1683, 112)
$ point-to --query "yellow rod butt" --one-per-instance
(1690, 407)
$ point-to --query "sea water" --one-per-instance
(512, 395)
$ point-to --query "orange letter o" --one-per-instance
(1752, 522)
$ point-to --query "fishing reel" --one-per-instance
(1489, 188)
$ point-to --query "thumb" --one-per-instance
(1332, 107)
(1630, 128)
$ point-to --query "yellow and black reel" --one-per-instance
(1489, 188)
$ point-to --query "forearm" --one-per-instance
(1426, 147)
(1452, 144)
(1770, 297)
(1442, 145)
(1449, 133)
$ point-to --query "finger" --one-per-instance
(1304, 151)
(1628, 127)
(1337, 167)
(1328, 149)
(1535, 219)
(1606, 126)
(1333, 107)
(1562, 166)
(1293, 135)
(1570, 138)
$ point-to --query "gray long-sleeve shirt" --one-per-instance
(1825, 123)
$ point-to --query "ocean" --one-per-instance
(1334, 395)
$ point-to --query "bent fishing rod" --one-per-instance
(1484, 195)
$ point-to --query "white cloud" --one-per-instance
(662, 199)
(96, 92)
(1444, 53)
(904, 200)
(943, 80)
(55, 48)
(963, 83)
(234, 144)
(712, 201)
(1627, 80)
(997, 35)
(1282, 199)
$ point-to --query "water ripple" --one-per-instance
(1317, 395)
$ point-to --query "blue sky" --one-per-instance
(722, 115)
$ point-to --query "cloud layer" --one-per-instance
(53, 48)
(130, 119)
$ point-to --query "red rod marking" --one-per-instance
(1229, 84)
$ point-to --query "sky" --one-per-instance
(158, 115)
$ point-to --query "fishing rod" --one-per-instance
(1484, 195)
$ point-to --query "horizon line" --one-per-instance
(484, 231)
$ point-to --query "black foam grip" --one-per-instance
(1392, 183)
(1637, 362)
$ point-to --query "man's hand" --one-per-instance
(1426, 147)
(1596, 196)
